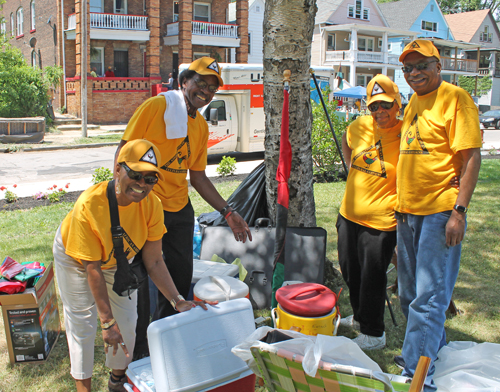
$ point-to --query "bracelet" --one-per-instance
(223, 212)
(106, 326)
(174, 301)
(229, 213)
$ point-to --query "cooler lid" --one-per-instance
(306, 299)
(202, 268)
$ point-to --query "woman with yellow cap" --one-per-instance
(85, 263)
(366, 225)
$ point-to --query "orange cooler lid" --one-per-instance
(306, 299)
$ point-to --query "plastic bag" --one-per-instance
(335, 349)
(10, 268)
(467, 367)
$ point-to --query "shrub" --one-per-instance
(24, 90)
(101, 174)
(56, 195)
(227, 166)
(326, 157)
(10, 196)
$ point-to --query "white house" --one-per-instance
(255, 29)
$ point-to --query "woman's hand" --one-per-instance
(184, 306)
(113, 338)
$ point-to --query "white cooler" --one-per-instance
(191, 351)
(204, 268)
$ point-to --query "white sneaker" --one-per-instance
(350, 322)
(367, 342)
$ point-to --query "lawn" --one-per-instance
(28, 235)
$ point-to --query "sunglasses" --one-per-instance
(136, 176)
(418, 67)
(380, 104)
(204, 85)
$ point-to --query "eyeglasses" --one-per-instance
(136, 176)
(418, 67)
(384, 105)
(204, 85)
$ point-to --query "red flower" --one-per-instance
(2, 188)
(54, 186)
(15, 185)
(60, 189)
(67, 185)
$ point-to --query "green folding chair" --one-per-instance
(282, 371)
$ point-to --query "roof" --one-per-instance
(403, 13)
(326, 8)
(465, 24)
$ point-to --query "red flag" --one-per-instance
(285, 161)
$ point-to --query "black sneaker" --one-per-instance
(399, 361)
(115, 383)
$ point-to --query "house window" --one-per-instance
(485, 36)
(432, 7)
(330, 42)
(350, 11)
(429, 26)
(363, 79)
(120, 6)
(249, 43)
(96, 6)
(365, 44)
(197, 55)
(32, 8)
(20, 21)
(3, 28)
(176, 11)
(33, 58)
(12, 25)
(357, 11)
(257, 8)
(379, 43)
(97, 60)
(201, 12)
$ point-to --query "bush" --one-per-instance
(24, 90)
(326, 157)
(101, 174)
(10, 196)
(227, 166)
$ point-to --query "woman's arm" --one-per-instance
(97, 284)
(346, 150)
(157, 270)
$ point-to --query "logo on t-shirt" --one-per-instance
(175, 163)
(127, 241)
(371, 161)
(411, 142)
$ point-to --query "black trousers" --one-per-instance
(177, 246)
(364, 255)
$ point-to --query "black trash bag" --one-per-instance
(249, 199)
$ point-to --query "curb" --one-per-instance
(68, 147)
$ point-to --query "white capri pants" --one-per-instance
(80, 314)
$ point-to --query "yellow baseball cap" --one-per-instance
(381, 88)
(422, 46)
(207, 66)
(141, 155)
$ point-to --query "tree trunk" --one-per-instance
(288, 29)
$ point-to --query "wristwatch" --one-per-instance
(460, 208)
(174, 301)
(224, 211)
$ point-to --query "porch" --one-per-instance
(203, 33)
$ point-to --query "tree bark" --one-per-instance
(288, 29)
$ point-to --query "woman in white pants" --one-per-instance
(85, 264)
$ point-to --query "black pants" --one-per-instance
(364, 255)
(177, 246)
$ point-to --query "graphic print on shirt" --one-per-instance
(371, 161)
(127, 248)
(183, 152)
(411, 142)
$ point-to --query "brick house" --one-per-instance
(141, 40)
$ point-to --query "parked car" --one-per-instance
(491, 118)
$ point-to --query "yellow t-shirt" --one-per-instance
(436, 127)
(178, 155)
(370, 194)
(86, 230)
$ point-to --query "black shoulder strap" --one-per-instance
(116, 229)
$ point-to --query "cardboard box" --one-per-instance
(31, 320)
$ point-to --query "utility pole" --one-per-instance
(84, 60)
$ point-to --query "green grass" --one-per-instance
(99, 139)
(28, 235)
